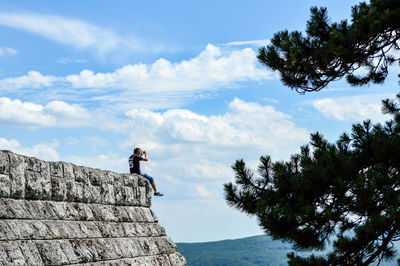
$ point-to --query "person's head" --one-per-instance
(137, 151)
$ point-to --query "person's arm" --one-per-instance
(145, 156)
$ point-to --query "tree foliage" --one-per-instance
(345, 193)
(330, 51)
(349, 189)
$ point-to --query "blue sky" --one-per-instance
(88, 81)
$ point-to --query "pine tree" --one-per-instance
(345, 193)
(331, 51)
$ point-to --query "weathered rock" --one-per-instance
(57, 213)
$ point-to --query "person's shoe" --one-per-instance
(158, 194)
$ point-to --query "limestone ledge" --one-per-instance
(173, 259)
(11, 230)
(77, 251)
(23, 177)
(53, 210)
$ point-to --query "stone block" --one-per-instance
(79, 191)
(52, 253)
(90, 229)
(59, 209)
(135, 214)
(106, 248)
(127, 193)
(142, 182)
(81, 174)
(96, 177)
(87, 193)
(71, 190)
(31, 253)
(130, 229)
(176, 259)
(58, 188)
(154, 216)
(129, 180)
(142, 198)
(28, 229)
(72, 211)
(68, 171)
(109, 177)
(3, 256)
(9, 209)
(110, 229)
(33, 185)
(5, 186)
(14, 253)
(118, 180)
(118, 195)
(95, 196)
(4, 163)
(107, 193)
(46, 184)
(85, 213)
(68, 250)
(17, 176)
(33, 164)
(126, 250)
(56, 169)
(37, 185)
(165, 245)
(105, 213)
(122, 214)
(82, 251)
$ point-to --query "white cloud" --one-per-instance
(355, 108)
(263, 42)
(56, 113)
(5, 51)
(44, 151)
(69, 31)
(244, 124)
(212, 68)
(162, 84)
(33, 80)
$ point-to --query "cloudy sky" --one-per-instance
(87, 81)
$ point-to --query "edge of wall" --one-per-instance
(58, 213)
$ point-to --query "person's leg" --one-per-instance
(153, 185)
(151, 179)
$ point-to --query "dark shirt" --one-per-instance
(134, 164)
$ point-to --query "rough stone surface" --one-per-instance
(57, 213)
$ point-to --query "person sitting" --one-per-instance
(134, 167)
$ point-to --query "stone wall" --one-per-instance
(57, 213)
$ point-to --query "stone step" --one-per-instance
(50, 229)
(173, 259)
(53, 210)
(74, 251)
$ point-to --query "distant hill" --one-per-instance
(255, 250)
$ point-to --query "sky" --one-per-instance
(87, 81)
